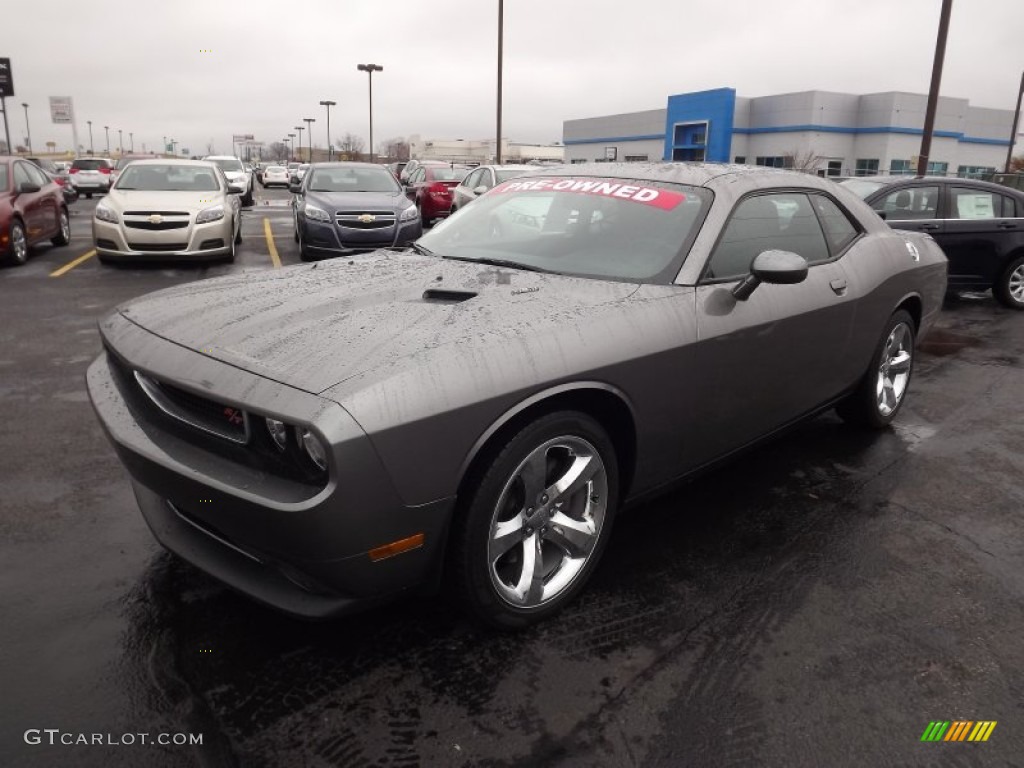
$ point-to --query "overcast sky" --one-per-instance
(140, 66)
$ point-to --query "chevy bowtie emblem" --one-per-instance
(366, 218)
(156, 218)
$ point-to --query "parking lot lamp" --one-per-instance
(501, 23)
(309, 136)
(291, 138)
(120, 142)
(91, 150)
(300, 129)
(330, 147)
(131, 138)
(106, 130)
(369, 69)
(28, 131)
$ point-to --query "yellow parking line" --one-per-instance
(72, 264)
(270, 244)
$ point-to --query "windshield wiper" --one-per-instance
(420, 249)
(503, 263)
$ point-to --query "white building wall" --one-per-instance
(609, 131)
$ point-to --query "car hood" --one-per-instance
(314, 327)
(138, 200)
(363, 201)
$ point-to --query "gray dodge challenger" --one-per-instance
(474, 412)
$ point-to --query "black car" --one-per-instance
(979, 225)
(345, 208)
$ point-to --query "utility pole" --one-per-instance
(501, 37)
(1013, 131)
(330, 147)
(933, 91)
(28, 131)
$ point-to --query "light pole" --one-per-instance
(309, 136)
(330, 147)
(131, 138)
(300, 129)
(501, 36)
(120, 142)
(1013, 131)
(291, 138)
(933, 90)
(370, 69)
(28, 131)
(106, 130)
(91, 150)
(163, 147)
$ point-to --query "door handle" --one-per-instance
(838, 286)
(1006, 225)
(930, 227)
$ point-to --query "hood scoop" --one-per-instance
(447, 296)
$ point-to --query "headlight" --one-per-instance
(316, 214)
(314, 448)
(210, 214)
(409, 213)
(278, 432)
(105, 214)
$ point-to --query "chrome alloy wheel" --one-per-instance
(1016, 284)
(547, 521)
(19, 244)
(65, 227)
(894, 369)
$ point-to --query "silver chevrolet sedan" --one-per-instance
(169, 210)
(475, 412)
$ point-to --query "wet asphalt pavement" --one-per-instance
(816, 603)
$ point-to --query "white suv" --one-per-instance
(90, 175)
(237, 173)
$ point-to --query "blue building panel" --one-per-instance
(689, 115)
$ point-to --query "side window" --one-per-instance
(473, 180)
(910, 203)
(839, 230)
(967, 203)
(36, 175)
(21, 175)
(1008, 208)
(783, 221)
(488, 178)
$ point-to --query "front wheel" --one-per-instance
(881, 392)
(1009, 288)
(63, 236)
(537, 520)
(19, 244)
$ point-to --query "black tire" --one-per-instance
(247, 200)
(63, 236)
(18, 254)
(238, 237)
(864, 406)
(1009, 288)
(481, 582)
(88, 195)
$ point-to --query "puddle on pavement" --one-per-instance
(943, 342)
(913, 434)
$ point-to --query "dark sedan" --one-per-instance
(979, 225)
(345, 208)
(32, 210)
(474, 412)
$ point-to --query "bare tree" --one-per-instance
(806, 160)
(278, 151)
(350, 147)
(394, 149)
(1017, 164)
(210, 149)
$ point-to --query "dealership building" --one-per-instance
(832, 134)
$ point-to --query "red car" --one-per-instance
(431, 187)
(32, 209)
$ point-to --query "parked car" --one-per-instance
(276, 175)
(300, 172)
(980, 226)
(45, 163)
(182, 210)
(412, 165)
(292, 168)
(237, 174)
(481, 407)
(483, 178)
(91, 175)
(32, 209)
(396, 169)
(68, 192)
(346, 208)
(430, 187)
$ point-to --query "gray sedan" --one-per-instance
(476, 412)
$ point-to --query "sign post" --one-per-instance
(62, 112)
(6, 89)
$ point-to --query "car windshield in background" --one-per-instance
(609, 228)
(229, 164)
(274, 169)
(509, 174)
(168, 178)
(352, 180)
(449, 174)
(89, 165)
(3, 177)
(862, 188)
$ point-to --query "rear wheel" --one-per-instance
(1009, 288)
(881, 392)
(63, 237)
(19, 244)
(88, 195)
(238, 235)
(537, 520)
(247, 200)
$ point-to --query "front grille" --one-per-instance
(157, 247)
(352, 219)
(156, 213)
(143, 224)
(204, 414)
(110, 245)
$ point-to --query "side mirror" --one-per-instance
(881, 215)
(294, 179)
(295, 188)
(27, 187)
(774, 267)
(479, 190)
(234, 189)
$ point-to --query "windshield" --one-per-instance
(447, 174)
(611, 228)
(229, 164)
(274, 169)
(3, 177)
(352, 180)
(862, 188)
(90, 165)
(168, 178)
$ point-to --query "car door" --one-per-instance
(982, 228)
(48, 203)
(911, 206)
(464, 191)
(763, 362)
(29, 203)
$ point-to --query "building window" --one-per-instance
(577, 160)
(699, 137)
(835, 168)
(901, 167)
(938, 169)
(974, 171)
(867, 168)
(740, 159)
(778, 161)
(636, 158)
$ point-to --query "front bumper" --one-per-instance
(302, 548)
(330, 239)
(195, 242)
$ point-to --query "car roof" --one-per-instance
(892, 181)
(176, 161)
(346, 164)
(694, 174)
